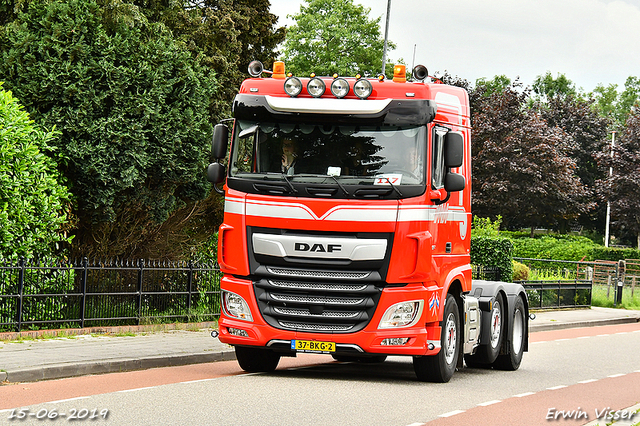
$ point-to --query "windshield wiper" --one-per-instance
(286, 179)
(325, 176)
(395, 188)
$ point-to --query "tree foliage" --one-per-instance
(522, 167)
(226, 35)
(334, 36)
(621, 189)
(33, 201)
(132, 106)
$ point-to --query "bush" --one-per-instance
(489, 249)
(493, 252)
(520, 271)
(33, 201)
(133, 108)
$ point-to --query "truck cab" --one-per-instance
(347, 225)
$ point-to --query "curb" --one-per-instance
(60, 371)
(580, 324)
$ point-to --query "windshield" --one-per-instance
(353, 155)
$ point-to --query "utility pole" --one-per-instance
(386, 37)
(606, 231)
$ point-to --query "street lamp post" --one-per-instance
(608, 220)
(386, 37)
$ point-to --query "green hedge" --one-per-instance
(493, 252)
(567, 247)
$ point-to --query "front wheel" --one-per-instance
(257, 360)
(516, 341)
(440, 367)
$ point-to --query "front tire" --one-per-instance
(511, 360)
(257, 360)
(439, 368)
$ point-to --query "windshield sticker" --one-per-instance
(388, 178)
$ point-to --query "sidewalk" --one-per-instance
(43, 359)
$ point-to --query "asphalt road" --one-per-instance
(583, 370)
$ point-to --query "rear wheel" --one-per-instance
(255, 360)
(488, 353)
(511, 360)
(440, 367)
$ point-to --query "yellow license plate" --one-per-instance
(313, 346)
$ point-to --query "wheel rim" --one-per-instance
(518, 331)
(450, 339)
(496, 324)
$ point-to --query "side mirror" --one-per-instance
(454, 182)
(216, 173)
(220, 141)
(453, 149)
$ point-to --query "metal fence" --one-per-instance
(611, 281)
(83, 293)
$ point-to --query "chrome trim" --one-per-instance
(319, 247)
(303, 273)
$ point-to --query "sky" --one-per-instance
(590, 41)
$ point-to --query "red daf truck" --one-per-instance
(347, 223)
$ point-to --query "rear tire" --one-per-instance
(439, 368)
(256, 360)
(516, 341)
(488, 353)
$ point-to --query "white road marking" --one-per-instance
(451, 413)
(557, 387)
(485, 404)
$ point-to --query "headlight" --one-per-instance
(403, 314)
(235, 306)
(316, 87)
(362, 88)
(340, 87)
(292, 86)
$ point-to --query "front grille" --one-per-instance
(317, 306)
(319, 328)
(318, 274)
(317, 295)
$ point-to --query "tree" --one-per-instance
(522, 169)
(618, 106)
(132, 106)
(334, 36)
(226, 35)
(621, 189)
(588, 129)
(33, 201)
(546, 86)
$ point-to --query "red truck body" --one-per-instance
(356, 257)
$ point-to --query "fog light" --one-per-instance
(237, 332)
(316, 87)
(292, 86)
(395, 341)
(362, 89)
(340, 88)
(403, 314)
(235, 306)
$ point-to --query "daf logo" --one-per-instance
(318, 248)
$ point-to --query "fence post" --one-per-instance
(83, 290)
(619, 282)
(139, 299)
(189, 285)
(21, 264)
